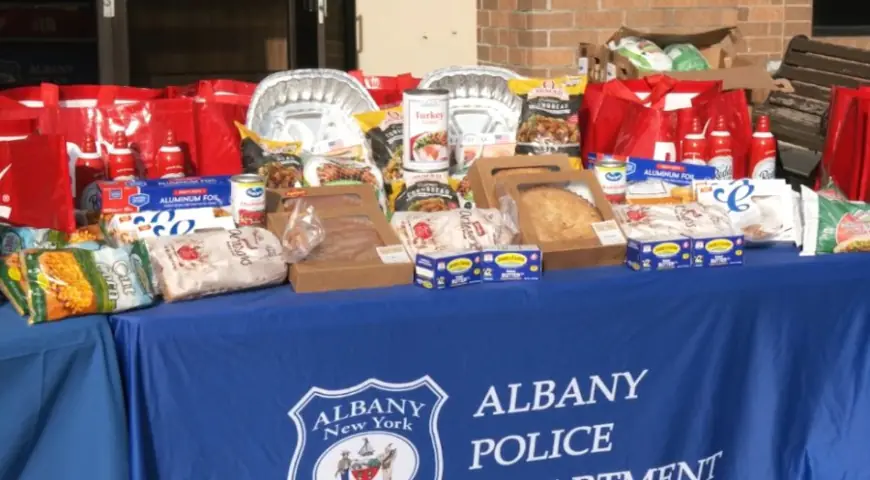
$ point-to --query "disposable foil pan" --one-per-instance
(480, 101)
(314, 106)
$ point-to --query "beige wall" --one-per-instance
(398, 36)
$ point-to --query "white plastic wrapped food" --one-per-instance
(209, 263)
(454, 230)
(664, 222)
(643, 54)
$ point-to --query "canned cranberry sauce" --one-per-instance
(248, 199)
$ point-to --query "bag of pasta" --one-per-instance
(72, 281)
(384, 131)
(548, 122)
(279, 163)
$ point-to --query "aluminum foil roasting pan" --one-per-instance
(314, 106)
(480, 101)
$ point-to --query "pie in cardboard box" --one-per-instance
(567, 215)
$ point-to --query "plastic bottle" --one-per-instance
(122, 164)
(762, 151)
(89, 169)
(721, 155)
(695, 144)
(170, 158)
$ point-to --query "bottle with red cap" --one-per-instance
(695, 144)
(665, 149)
(720, 153)
(122, 164)
(89, 169)
(170, 158)
(762, 151)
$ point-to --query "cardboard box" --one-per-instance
(442, 270)
(718, 46)
(607, 249)
(125, 228)
(338, 196)
(506, 263)
(164, 194)
(684, 252)
(393, 267)
(482, 178)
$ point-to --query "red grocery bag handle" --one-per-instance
(50, 94)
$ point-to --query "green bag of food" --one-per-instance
(643, 54)
(834, 226)
(686, 57)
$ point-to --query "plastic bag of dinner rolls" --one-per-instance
(303, 233)
(220, 261)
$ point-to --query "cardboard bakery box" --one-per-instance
(605, 247)
(383, 263)
(283, 199)
(719, 47)
(484, 174)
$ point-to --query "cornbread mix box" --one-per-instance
(359, 250)
(567, 215)
(506, 263)
(441, 270)
(125, 228)
(486, 172)
(172, 193)
(334, 196)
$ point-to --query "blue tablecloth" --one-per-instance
(61, 404)
(760, 372)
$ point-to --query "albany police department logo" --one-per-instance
(373, 431)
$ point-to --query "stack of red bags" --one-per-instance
(846, 158)
(43, 129)
(649, 117)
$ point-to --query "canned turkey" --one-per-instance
(248, 199)
(611, 175)
(425, 125)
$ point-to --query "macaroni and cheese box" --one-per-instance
(128, 227)
(442, 270)
(511, 263)
(154, 195)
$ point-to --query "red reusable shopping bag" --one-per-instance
(35, 188)
(218, 104)
(845, 152)
(386, 91)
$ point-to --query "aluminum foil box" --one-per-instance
(163, 194)
(128, 227)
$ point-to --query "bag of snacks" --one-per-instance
(209, 263)
(70, 282)
(279, 163)
(548, 122)
(834, 226)
(686, 58)
(384, 131)
(15, 239)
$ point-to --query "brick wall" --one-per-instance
(540, 37)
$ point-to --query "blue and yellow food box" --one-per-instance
(505, 263)
(719, 251)
(654, 255)
(684, 252)
(447, 269)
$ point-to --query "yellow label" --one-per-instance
(719, 246)
(14, 274)
(666, 250)
(460, 265)
(510, 260)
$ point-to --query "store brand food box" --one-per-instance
(440, 270)
(684, 252)
(164, 194)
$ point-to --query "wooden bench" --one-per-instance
(809, 68)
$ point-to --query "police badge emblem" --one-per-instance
(372, 431)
